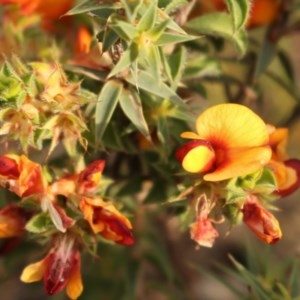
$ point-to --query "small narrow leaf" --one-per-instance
(149, 84)
(173, 38)
(132, 7)
(124, 30)
(130, 103)
(239, 10)
(127, 59)
(107, 102)
(148, 19)
(91, 5)
(219, 25)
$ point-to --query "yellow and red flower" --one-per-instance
(21, 175)
(60, 269)
(263, 224)
(84, 183)
(231, 141)
(286, 170)
(106, 220)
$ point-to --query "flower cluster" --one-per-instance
(65, 234)
(40, 104)
(243, 167)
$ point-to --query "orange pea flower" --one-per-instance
(60, 269)
(12, 221)
(84, 183)
(21, 175)
(263, 224)
(49, 10)
(106, 220)
(287, 171)
(231, 141)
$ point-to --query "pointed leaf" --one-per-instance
(149, 84)
(39, 223)
(173, 38)
(127, 59)
(219, 24)
(107, 102)
(239, 10)
(148, 19)
(92, 5)
(131, 105)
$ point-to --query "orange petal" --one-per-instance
(292, 177)
(278, 140)
(83, 40)
(34, 272)
(263, 12)
(196, 156)
(190, 135)
(232, 126)
(240, 163)
(31, 179)
(74, 287)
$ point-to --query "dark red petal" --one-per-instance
(9, 167)
(96, 166)
(58, 271)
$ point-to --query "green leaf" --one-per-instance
(92, 5)
(173, 38)
(109, 38)
(127, 59)
(107, 102)
(132, 7)
(147, 21)
(239, 10)
(267, 52)
(177, 64)
(294, 279)
(124, 30)
(158, 30)
(150, 84)
(40, 223)
(153, 61)
(130, 103)
(255, 282)
(219, 25)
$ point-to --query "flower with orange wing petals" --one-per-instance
(286, 170)
(21, 175)
(231, 141)
(106, 220)
(60, 269)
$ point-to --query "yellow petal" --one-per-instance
(34, 272)
(232, 126)
(199, 159)
(240, 163)
(74, 287)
